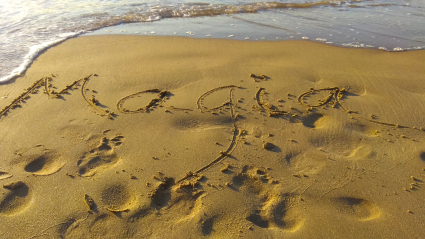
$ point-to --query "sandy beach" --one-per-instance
(173, 137)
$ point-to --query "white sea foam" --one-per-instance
(33, 53)
(37, 24)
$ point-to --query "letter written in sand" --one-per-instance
(229, 104)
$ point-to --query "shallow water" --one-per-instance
(28, 27)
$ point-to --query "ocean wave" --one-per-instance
(52, 24)
(34, 52)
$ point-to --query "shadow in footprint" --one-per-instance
(100, 158)
(104, 145)
(42, 164)
(290, 157)
(422, 156)
(279, 213)
(313, 120)
(258, 220)
(358, 208)
(14, 200)
(271, 147)
(36, 165)
(138, 214)
(207, 226)
(162, 194)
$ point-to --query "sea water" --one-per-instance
(29, 27)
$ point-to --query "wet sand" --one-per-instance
(171, 137)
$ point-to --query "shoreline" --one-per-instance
(345, 24)
(134, 137)
(37, 50)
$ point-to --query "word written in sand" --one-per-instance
(333, 97)
(94, 103)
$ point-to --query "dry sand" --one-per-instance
(167, 137)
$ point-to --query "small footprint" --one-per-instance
(101, 157)
(207, 226)
(14, 198)
(276, 209)
(161, 195)
(315, 121)
(362, 152)
(117, 198)
(93, 226)
(45, 164)
(40, 161)
(358, 208)
(276, 213)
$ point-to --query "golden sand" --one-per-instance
(168, 137)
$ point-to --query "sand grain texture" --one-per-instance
(168, 137)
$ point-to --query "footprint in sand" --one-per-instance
(117, 198)
(357, 208)
(45, 164)
(98, 225)
(167, 193)
(274, 213)
(40, 161)
(15, 198)
(180, 206)
(207, 226)
(141, 219)
(161, 195)
(275, 209)
(101, 157)
(315, 121)
(362, 152)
